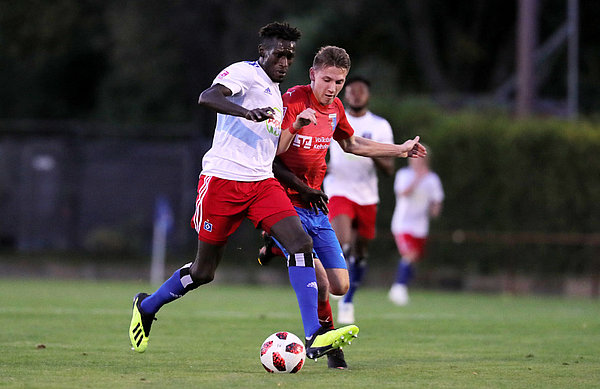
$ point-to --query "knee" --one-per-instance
(340, 289)
(201, 275)
(301, 243)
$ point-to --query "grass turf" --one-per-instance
(66, 334)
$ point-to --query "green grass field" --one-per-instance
(211, 338)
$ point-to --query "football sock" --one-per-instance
(304, 281)
(179, 284)
(404, 273)
(357, 268)
(325, 315)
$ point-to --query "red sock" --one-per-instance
(325, 316)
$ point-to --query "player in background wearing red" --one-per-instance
(315, 116)
(419, 197)
(351, 184)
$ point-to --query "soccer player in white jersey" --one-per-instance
(419, 197)
(351, 184)
(237, 182)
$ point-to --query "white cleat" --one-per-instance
(399, 295)
(345, 313)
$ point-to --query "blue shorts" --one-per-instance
(325, 243)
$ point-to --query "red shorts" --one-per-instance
(363, 216)
(409, 244)
(221, 206)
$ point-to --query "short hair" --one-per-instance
(332, 56)
(353, 79)
(279, 30)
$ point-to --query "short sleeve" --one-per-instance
(293, 105)
(384, 133)
(343, 130)
(437, 192)
(238, 77)
(401, 180)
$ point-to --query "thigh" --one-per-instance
(220, 209)
(365, 220)
(327, 246)
(270, 204)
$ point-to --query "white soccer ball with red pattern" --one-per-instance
(282, 352)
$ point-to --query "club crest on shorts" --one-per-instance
(207, 226)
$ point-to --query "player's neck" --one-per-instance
(358, 112)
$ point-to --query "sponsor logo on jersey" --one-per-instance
(290, 92)
(223, 75)
(302, 141)
(274, 124)
(207, 226)
(310, 142)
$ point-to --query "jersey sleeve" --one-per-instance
(293, 105)
(385, 134)
(437, 192)
(343, 129)
(401, 181)
(238, 77)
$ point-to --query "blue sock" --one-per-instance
(357, 269)
(404, 273)
(304, 282)
(173, 288)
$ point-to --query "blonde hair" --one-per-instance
(332, 56)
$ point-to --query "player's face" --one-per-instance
(276, 56)
(327, 82)
(357, 95)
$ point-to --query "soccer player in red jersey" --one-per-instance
(315, 115)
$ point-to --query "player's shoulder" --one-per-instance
(378, 119)
(295, 94)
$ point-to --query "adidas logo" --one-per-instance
(312, 285)
(268, 91)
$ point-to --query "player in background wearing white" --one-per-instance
(351, 184)
(419, 197)
(237, 182)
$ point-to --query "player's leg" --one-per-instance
(184, 279)
(365, 217)
(211, 241)
(411, 250)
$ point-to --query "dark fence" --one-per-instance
(64, 187)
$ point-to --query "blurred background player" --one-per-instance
(351, 184)
(237, 182)
(315, 116)
(419, 197)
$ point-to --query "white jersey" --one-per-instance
(243, 150)
(411, 215)
(353, 176)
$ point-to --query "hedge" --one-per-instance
(504, 175)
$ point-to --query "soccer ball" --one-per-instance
(282, 352)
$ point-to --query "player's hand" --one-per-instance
(413, 149)
(317, 199)
(305, 118)
(260, 114)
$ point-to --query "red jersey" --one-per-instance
(306, 155)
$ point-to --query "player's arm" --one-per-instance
(435, 209)
(316, 198)
(215, 98)
(369, 148)
(304, 118)
(384, 165)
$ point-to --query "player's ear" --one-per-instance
(311, 73)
